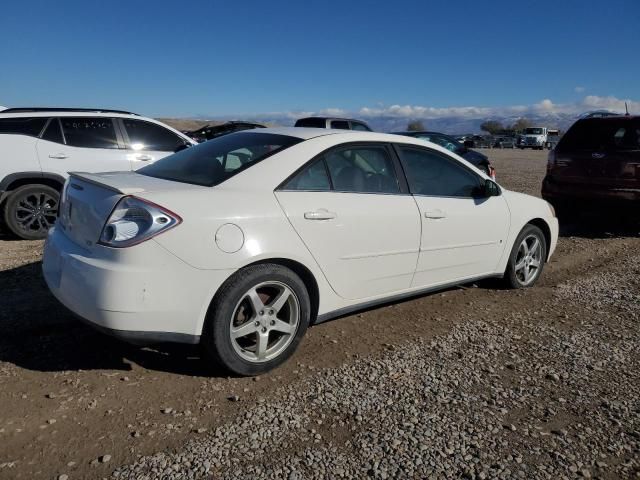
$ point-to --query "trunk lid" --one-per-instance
(89, 198)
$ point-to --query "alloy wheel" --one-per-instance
(36, 212)
(265, 321)
(528, 260)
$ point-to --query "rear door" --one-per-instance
(147, 142)
(355, 216)
(87, 144)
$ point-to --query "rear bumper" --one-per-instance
(588, 196)
(143, 294)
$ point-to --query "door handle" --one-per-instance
(59, 156)
(435, 214)
(320, 215)
(144, 158)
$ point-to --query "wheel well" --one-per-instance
(21, 182)
(542, 225)
(305, 275)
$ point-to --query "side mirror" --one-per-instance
(491, 189)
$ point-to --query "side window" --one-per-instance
(53, 133)
(149, 136)
(314, 177)
(31, 126)
(359, 127)
(89, 132)
(430, 173)
(340, 124)
(362, 169)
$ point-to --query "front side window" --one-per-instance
(362, 169)
(31, 126)
(214, 161)
(89, 132)
(149, 136)
(432, 174)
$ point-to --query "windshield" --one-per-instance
(213, 162)
(445, 141)
(533, 131)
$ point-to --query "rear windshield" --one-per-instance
(602, 134)
(213, 162)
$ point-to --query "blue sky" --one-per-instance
(215, 58)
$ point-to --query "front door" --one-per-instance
(463, 235)
(147, 142)
(354, 217)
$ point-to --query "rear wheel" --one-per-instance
(527, 258)
(257, 319)
(31, 210)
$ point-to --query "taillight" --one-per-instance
(135, 220)
(551, 160)
(492, 172)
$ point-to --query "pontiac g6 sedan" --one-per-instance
(242, 242)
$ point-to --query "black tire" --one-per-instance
(31, 210)
(216, 337)
(512, 275)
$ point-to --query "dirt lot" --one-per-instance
(554, 367)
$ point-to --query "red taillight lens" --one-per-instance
(135, 220)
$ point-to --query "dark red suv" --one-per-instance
(596, 164)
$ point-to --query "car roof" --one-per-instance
(305, 133)
(332, 118)
(69, 113)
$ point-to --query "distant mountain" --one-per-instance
(449, 124)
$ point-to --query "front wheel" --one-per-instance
(527, 258)
(31, 210)
(257, 319)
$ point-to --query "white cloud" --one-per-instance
(545, 106)
(579, 89)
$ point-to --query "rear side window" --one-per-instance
(149, 136)
(89, 132)
(601, 135)
(340, 124)
(312, 123)
(366, 169)
(432, 174)
(31, 126)
(53, 133)
(313, 177)
(214, 161)
(359, 127)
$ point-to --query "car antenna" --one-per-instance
(626, 107)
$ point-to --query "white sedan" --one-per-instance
(242, 242)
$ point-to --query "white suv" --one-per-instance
(39, 146)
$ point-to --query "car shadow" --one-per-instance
(600, 226)
(38, 333)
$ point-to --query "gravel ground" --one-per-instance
(471, 382)
(505, 398)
